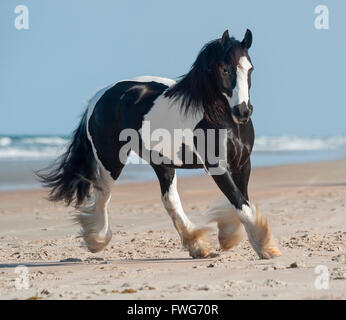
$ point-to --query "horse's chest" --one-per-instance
(238, 151)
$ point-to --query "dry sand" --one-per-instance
(305, 205)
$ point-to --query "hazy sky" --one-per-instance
(73, 48)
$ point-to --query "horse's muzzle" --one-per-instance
(241, 113)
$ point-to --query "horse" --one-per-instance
(214, 96)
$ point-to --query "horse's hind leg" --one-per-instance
(192, 238)
(93, 217)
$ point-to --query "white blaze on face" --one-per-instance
(240, 93)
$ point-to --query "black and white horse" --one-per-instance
(212, 97)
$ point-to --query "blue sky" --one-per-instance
(75, 47)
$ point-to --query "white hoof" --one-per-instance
(95, 237)
(96, 243)
(197, 243)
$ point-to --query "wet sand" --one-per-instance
(305, 205)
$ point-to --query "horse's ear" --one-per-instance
(247, 41)
(225, 38)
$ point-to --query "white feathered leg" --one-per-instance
(193, 239)
(93, 217)
(231, 223)
(231, 230)
(258, 231)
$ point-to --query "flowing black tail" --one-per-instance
(72, 175)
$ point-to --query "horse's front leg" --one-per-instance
(192, 238)
(256, 226)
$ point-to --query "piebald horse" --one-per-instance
(212, 97)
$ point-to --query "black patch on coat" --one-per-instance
(121, 107)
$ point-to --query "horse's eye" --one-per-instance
(225, 71)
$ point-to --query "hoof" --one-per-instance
(199, 253)
(96, 239)
(270, 253)
(197, 243)
(94, 243)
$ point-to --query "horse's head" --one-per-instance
(234, 75)
(222, 67)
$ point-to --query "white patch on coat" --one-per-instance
(166, 81)
(240, 93)
(166, 114)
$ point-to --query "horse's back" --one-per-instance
(128, 99)
(118, 107)
(134, 104)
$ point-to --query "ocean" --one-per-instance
(21, 155)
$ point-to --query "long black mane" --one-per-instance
(199, 89)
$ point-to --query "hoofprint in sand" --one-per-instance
(305, 204)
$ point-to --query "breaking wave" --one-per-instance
(294, 143)
(49, 147)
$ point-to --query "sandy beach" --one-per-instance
(304, 203)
